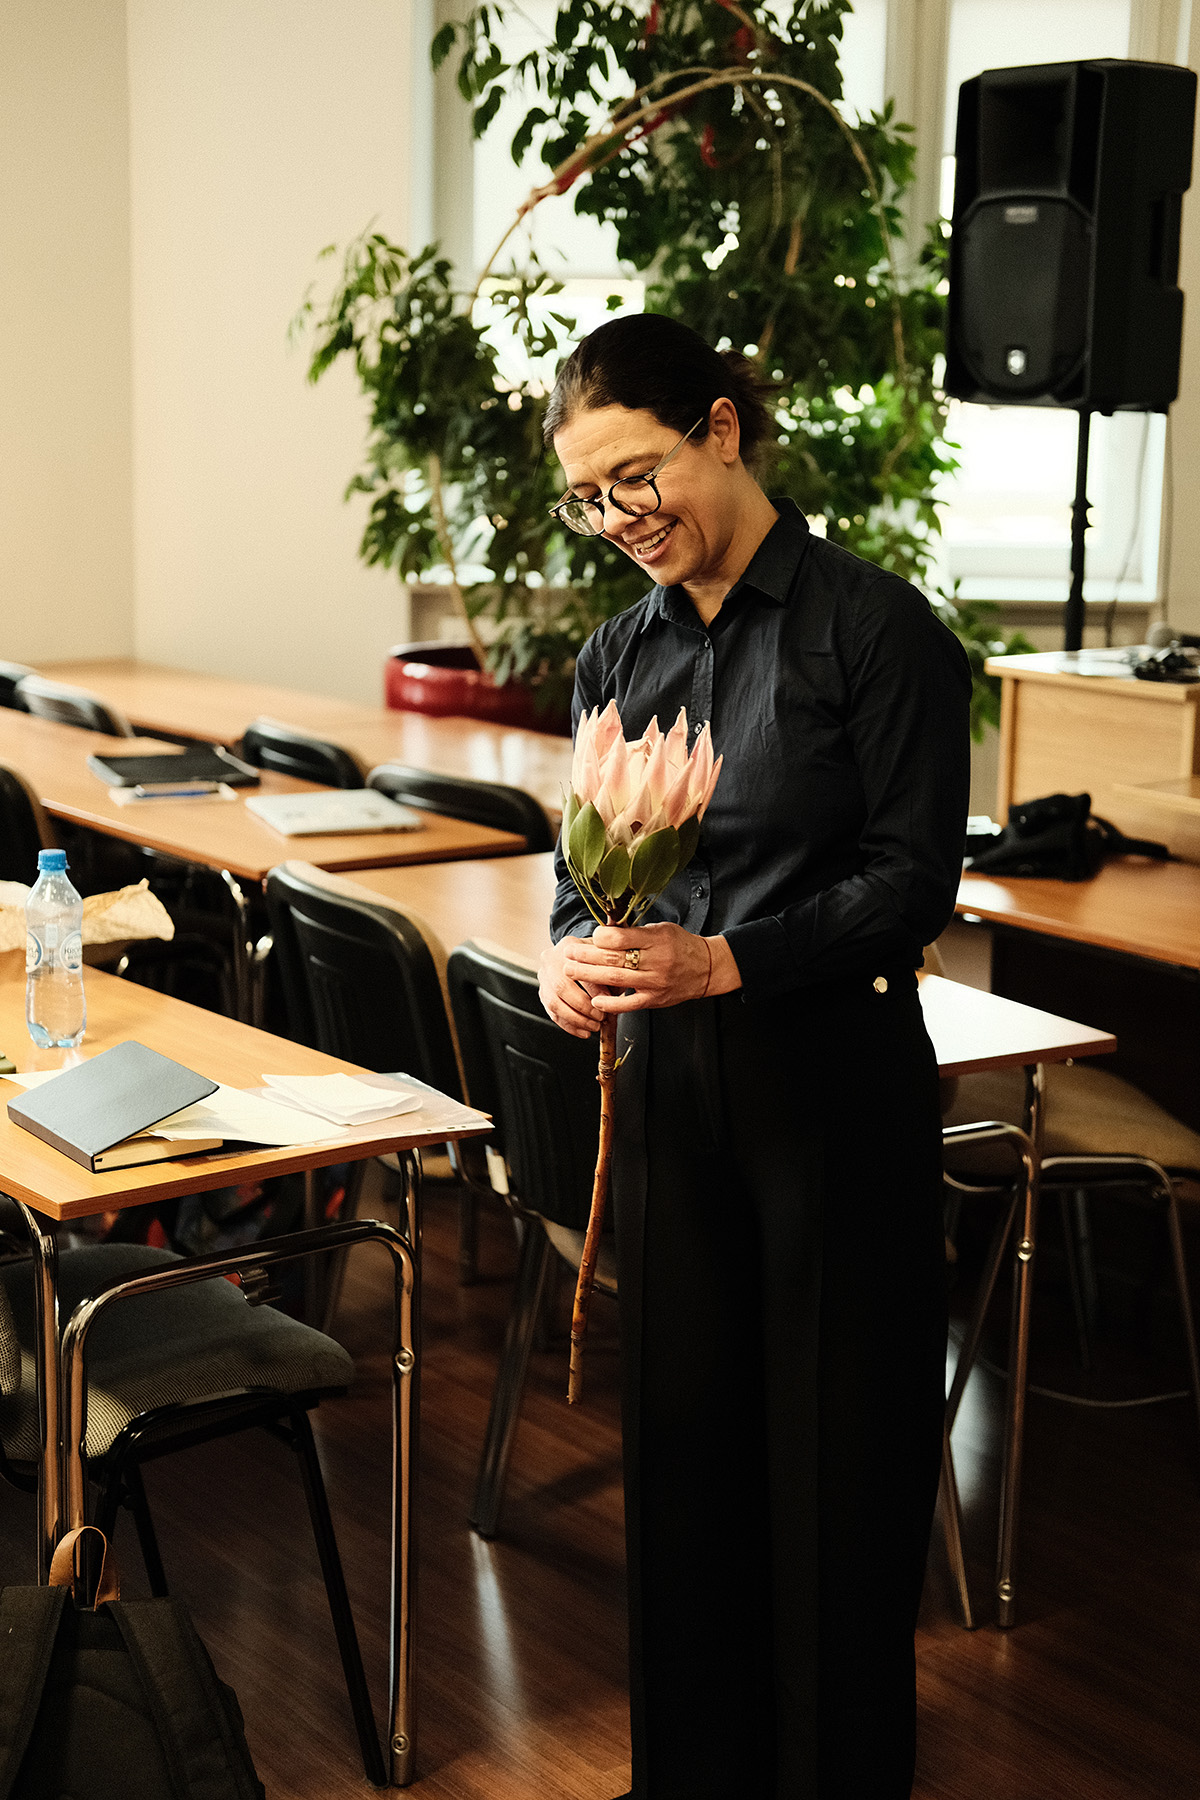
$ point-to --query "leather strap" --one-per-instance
(64, 1570)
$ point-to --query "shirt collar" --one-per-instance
(771, 571)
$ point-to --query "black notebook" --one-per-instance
(199, 762)
(93, 1112)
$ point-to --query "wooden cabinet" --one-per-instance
(1061, 732)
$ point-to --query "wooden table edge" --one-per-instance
(1022, 1059)
(1040, 926)
(215, 1169)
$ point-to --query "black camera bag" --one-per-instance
(1058, 837)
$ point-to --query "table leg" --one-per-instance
(245, 972)
(406, 1401)
(48, 1360)
(1018, 1358)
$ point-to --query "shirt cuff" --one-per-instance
(763, 954)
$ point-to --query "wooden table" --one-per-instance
(215, 833)
(1139, 907)
(1121, 951)
(217, 710)
(223, 835)
(51, 1188)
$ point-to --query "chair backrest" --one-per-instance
(71, 706)
(478, 802)
(268, 744)
(23, 829)
(10, 674)
(359, 980)
(539, 1084)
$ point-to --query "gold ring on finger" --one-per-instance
(633, 959)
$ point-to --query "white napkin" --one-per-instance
(343, 1099)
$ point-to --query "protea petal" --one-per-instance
(679, 803)
(677, 741)
(657, 774)
(615, 772)
(583, 736)
(708, 792)
(608, 730)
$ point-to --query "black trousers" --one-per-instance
(777, 1189)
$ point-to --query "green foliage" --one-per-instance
(749, 211)
(976, 623)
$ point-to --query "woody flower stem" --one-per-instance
(595, 1224)
(631, 822)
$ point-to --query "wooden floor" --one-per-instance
(1094, 1695)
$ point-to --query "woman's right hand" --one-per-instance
(569, 1003)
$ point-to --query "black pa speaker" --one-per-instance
(1064, 252)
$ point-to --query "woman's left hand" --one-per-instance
(671, 965)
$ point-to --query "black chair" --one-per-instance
(171, 1370)
(24, 829)
(10, 674)
(540, 1087)
(478, 802)
(362, 980)
(267, 744)
(67, 705)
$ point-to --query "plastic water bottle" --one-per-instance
(55, 1009)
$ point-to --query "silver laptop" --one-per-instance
(335, 811)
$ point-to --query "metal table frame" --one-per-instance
(1027, 1146)
(62, 1401)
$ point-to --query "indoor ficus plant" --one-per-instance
(752, 209)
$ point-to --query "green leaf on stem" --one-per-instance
(570, 813)
(587, 840)
(613, 873)
(689, 837)
(655, 861)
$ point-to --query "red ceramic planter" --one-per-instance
(445, 680)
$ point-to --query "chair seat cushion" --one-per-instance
(177, 1347)
(1088, 1112)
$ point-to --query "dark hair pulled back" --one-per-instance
(644, 360)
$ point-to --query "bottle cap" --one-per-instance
(52, 862)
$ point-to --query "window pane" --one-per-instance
(1000, 34)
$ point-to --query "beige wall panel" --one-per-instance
(65, 533)
(261, 130)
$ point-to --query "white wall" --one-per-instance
(1181, 514)
(260, 130)
(65, 531)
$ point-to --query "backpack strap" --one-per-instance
(186, 1700)
(29, 1622)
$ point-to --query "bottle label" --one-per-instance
(33, 953)
(70, 955)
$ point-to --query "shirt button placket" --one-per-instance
(700, 713)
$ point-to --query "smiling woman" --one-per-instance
(783, 1332)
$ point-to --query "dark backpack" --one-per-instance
(1058, 837)
(119, 1703)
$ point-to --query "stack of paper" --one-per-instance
(343, 1099)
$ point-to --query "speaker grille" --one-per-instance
(1025, 272)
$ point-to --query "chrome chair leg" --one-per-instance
(1075, 1281)
(536, 1252)
(952, 1529)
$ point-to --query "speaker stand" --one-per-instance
(1073, 614)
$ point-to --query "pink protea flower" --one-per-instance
(633, 816)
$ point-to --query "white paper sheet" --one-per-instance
(342, 1099)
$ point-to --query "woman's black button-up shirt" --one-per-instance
(834, 841)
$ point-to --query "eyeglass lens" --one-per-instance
(635, 496)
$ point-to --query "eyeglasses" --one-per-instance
(635, 496)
